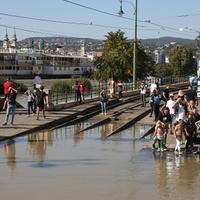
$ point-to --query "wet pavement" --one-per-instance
(62, 164)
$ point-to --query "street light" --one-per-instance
(120, 13)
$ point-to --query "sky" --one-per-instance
(156, 18)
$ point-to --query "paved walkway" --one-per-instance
(24, 124)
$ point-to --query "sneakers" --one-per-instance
(163, 149)
(158, 149)
(5, 123)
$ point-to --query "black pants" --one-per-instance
(78, 96)
(30, 107)
(120, 93)
(156, 110)
(151, 113)
(189, 143)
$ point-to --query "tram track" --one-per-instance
(134, 119)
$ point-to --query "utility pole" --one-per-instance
(135, 45)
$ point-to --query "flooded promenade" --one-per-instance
(62, 164)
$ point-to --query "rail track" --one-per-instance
(124, 113)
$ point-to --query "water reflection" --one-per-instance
(175, 174)
(78, 135)
(66, 158)
(10, 154)
(37, 144)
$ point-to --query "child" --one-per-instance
(159, 136)
(179, 132)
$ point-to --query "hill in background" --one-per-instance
(73, 43)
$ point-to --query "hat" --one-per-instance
(171, 94)
(180, 93)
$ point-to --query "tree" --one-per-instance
(117, 59)
(181, 60)
(163, 70)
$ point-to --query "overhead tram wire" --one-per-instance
(115, 15)
(43, 32)
(63, 22)
(89, 24)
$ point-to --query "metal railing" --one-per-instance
(60, 97)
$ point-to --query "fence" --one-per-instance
(59, 97)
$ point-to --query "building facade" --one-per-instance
(30, 61)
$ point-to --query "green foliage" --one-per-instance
(182, 61)
(117, 59)
(162, 70)
(60, 86)
(67, 85)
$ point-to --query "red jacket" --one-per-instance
(82, 88)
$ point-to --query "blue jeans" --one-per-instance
(10, 109)
(103, 106)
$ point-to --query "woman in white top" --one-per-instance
(180, 107)
(143, 90)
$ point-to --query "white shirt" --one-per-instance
(170, 104)
(181, 113)
(153, 87)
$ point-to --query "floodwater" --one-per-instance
(65, 165)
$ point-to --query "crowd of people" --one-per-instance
(177, 116)
(36, 101)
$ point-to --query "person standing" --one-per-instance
(112, 88)
(30, 98)
(103, 101)
(6, 85)
(10, 102)
(82, 91)
(41, 100)
(77, 92)
(120, 89)
(170, 105)
(153, 87)
(165, 94)
(156, 104)
(143, 90)
(180, 107)
(157, 82)
(34, 91)
(191, 131)
(164, 117)
(179, 132)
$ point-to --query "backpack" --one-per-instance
(39, 97)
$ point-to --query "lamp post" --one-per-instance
(120, 13)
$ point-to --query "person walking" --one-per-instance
(103, 101)
(41, 100)
(10, 102)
